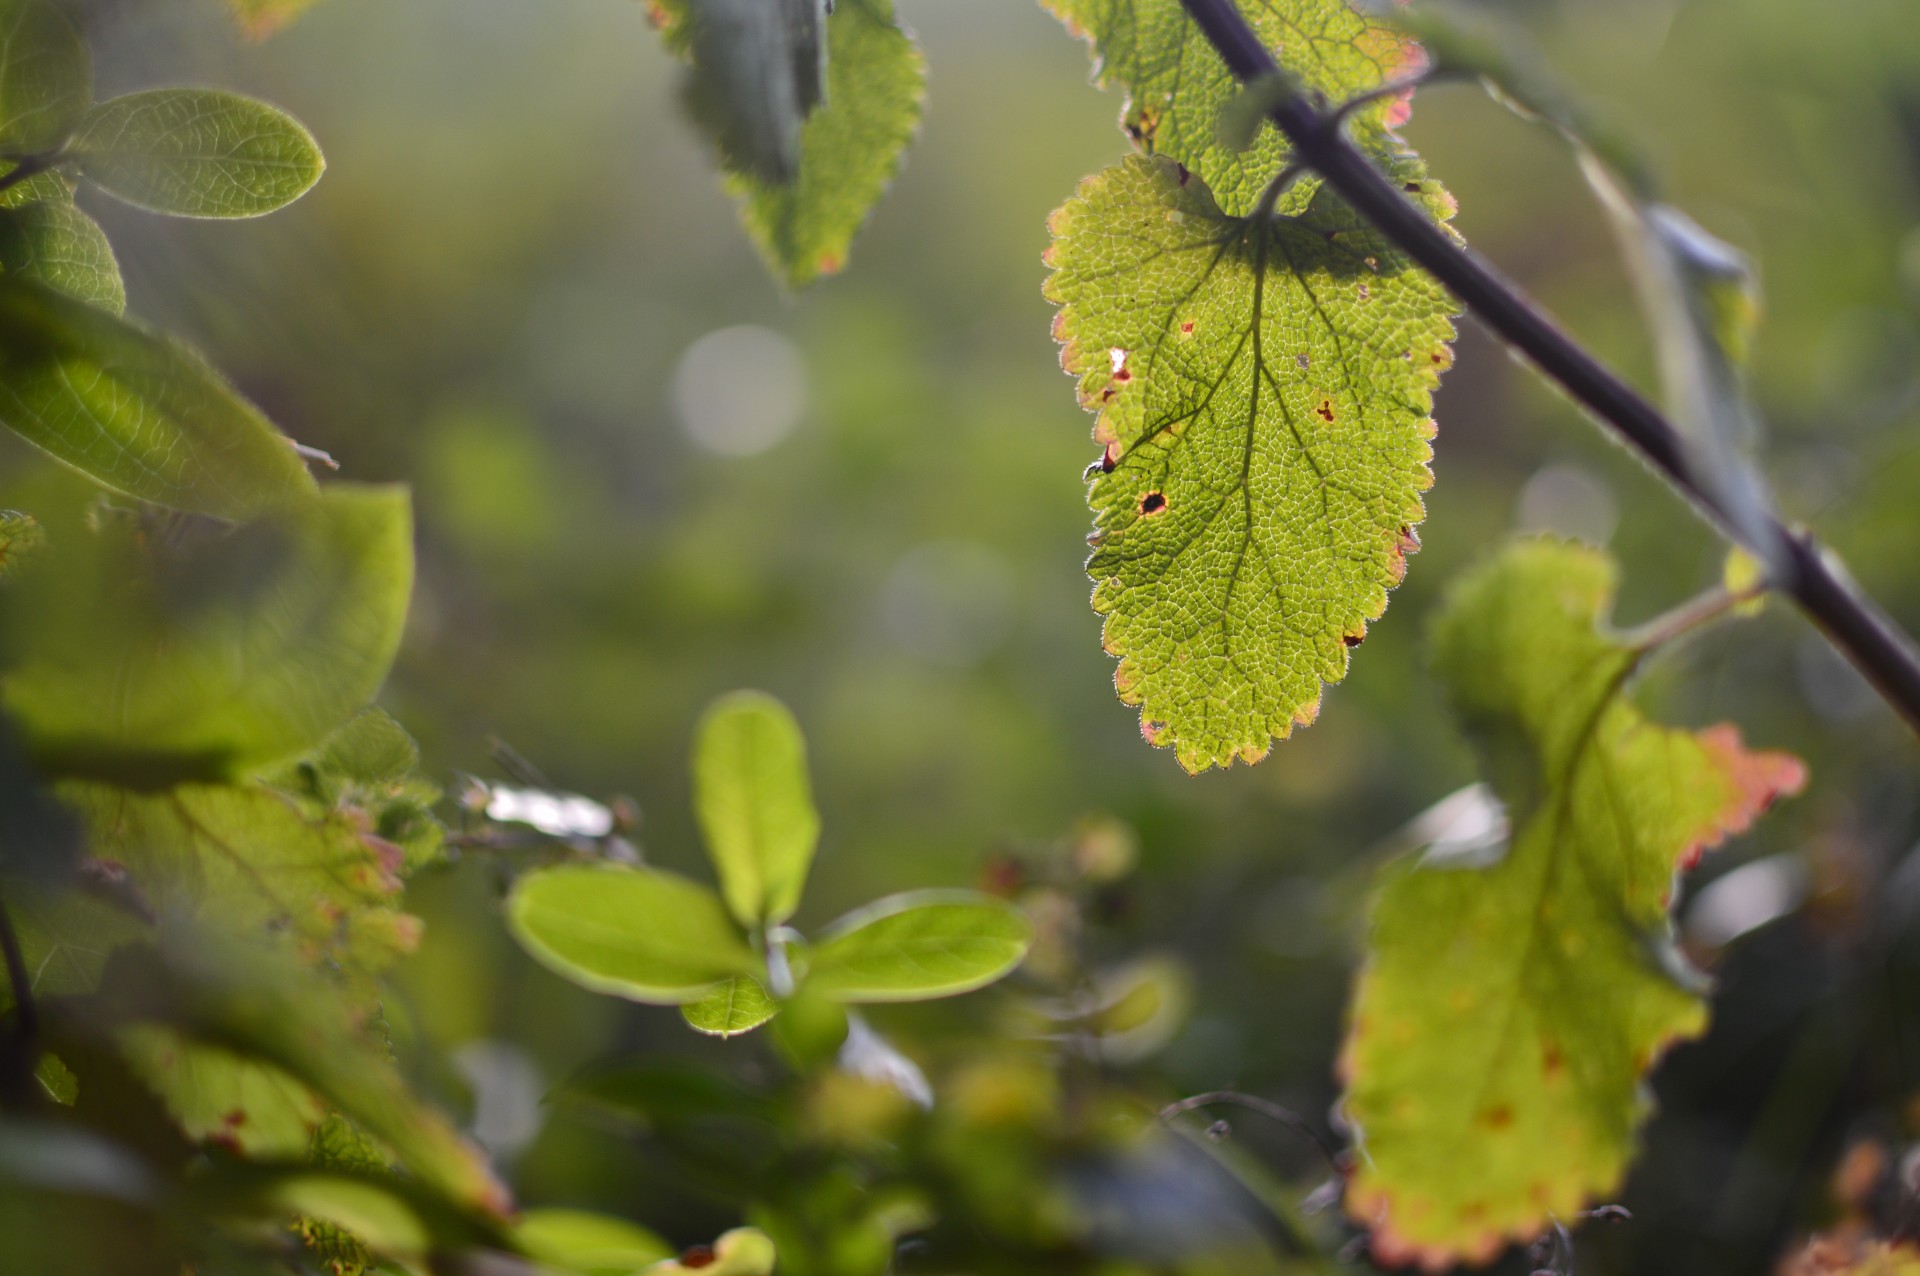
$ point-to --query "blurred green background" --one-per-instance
(644, 476)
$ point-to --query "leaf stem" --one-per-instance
(1813, 576)
(1266, 1108)
(1693, 614)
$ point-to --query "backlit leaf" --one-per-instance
(46, 80)
(918, 946)
(634, 932)
(739, 1005)
(850, 148)
(755, 804)
(62, 247)
(136, 411)
(236, 652)
(1262, 388)
(1509, 1012)
(197, 153)
(588, 1244)
(1179, 91)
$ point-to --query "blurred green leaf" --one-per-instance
(588, 1244)
(634, 932)
(21, 536)
(755, 805)
(232, 654)
(46, 78)
(135, 410)
(737, 1006)
(745, 1251)
(918, 946)
(850, 148)
(1263, 388)
(1508, 1015)
(197, 153)
(62, 247)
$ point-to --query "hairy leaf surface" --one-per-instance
(136, 411)
(1179, 91)
(1262, 388)
(1508, 1014)
(54, 242)
(46, 79)
(197, 153)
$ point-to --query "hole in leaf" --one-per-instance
(1152, 503)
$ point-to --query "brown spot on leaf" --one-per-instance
(698, 1256)
(1325, 410)
(1186, 329)
(1303, 361)
(1498, 1117)
(1152, 503)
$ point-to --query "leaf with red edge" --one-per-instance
(1509, 1012)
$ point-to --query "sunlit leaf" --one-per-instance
(46, 79)
(918, 946)
(745, 1251)
(738, 1005)
(1509, 1012)
(850, 148)
(1179, 92)
(63, 248)
(1263, 388)
(634, 932)
(755, 804)
(136, 411)
(197, 153)
(588, 1244)
(236, 652)
(806, 167)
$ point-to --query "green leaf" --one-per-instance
(46, 79)
(233, 653)
(197, 153)
(633, 932)
(1180, 92)
(737, 1006)
(63, 248)
(247, 860)
(755, 804)
(850, 148)
(136, 411)
(1263, 388)
(759, 69)
(918, 946)
(745, 1251)
(21, 536)
(588, 1244)
(1508, 1014)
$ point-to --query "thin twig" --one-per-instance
(1266, 1108)
(1813, 577)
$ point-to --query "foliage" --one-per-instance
(220, 1025)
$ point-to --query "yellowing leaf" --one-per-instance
(1263, 387)
(1180, 92)
(1508, 1014)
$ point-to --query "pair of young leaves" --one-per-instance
(660, 938)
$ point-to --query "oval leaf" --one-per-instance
(636, 933)
(737, 1006)
(197, 153)
(588, 1244)
(46, 80)
(238, 652)
(919, 946)
(135, 411)
(755, 805)
(63, 248)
